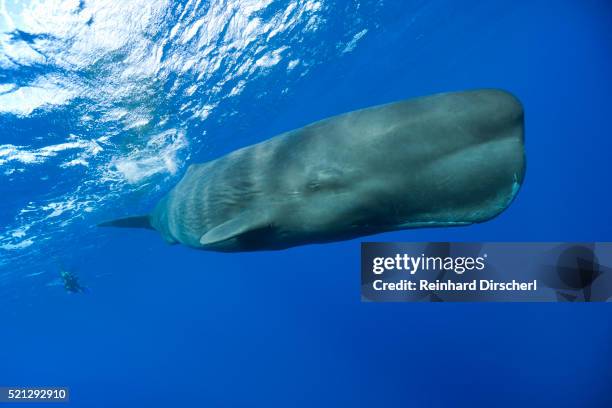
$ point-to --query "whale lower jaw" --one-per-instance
(429, 224)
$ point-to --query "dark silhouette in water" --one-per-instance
(71, 282)
(577, 269)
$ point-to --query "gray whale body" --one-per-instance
(442, 160)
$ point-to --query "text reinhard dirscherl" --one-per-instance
(482, 284)
(458, 265)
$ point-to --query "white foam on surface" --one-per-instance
(24, 155)
(43, 93)
(114, 86)
(159, 156)
(350, 46)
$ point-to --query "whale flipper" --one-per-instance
(245, 222)
(141, 221)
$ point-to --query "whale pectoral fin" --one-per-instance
(247, 221)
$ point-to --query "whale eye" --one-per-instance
(313, 185)
(325, 179)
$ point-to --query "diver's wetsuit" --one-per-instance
(71, 283)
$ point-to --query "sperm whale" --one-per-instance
(448, 159)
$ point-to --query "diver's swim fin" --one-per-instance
(142, 221)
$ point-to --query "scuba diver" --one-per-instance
(71, 282)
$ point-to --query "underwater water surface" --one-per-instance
(104, 104)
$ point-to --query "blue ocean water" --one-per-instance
(104, 104)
